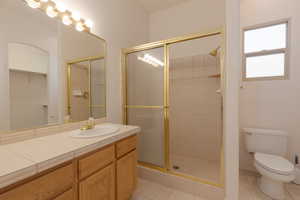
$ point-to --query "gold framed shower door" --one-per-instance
(166, 102)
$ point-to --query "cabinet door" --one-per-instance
(69, 195)
(99, 186)
(126, 175)
(96, 161)
(56, 182)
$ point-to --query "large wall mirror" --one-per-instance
(50, 73)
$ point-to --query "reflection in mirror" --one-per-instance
(79, 91)
(86, 89)
(34, 53)
(85, 65)
(28, 75)
(98, 99)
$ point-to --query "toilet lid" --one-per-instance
(274, 163)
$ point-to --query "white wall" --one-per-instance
(122, 24)
(273, 104)
(4, 87)
(191, 17)
(231, 99)
(27, 58)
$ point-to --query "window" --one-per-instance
(266, 51)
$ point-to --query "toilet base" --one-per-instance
(274, 189)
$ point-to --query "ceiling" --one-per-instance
(156, 5)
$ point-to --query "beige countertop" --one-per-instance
(24, 159)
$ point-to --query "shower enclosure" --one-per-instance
(172, 90)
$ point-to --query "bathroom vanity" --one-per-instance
(53, 80)
(100, 168)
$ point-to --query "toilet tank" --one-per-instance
(266, 141)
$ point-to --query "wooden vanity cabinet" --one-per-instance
(100, 185)
(27, 191)
(95, 161)
(44, 187)
(97, 175)
(106, 174)
(126, 175)
(68, 195)
(125, 146)
(110, 173)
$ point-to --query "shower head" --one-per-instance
(214, 52)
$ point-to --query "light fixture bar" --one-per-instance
(33, 4)
(55, 8)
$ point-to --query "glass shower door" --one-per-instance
(145, 103)
(196, 108)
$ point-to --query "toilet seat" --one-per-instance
(275, 164)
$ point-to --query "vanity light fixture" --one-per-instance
(76, 16)
(151, 60)
(51, 12)
(33, 3)
(55, 8)
(89, 23)
(79, 26)
(67, 20)
(61, 7)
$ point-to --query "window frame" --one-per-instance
(285, 51)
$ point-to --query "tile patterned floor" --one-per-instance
(200, 168)
(153, 191)
(294, 191)
(248, 191)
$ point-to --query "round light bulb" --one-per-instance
(61, 7)
(33, 3)
(67, 20)
(76, 16)
(89, 23)
(79, 27)
(51, 12)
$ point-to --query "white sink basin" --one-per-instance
(98, 131)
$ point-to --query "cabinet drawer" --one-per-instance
(69, 195)
(96, 161)
(45, 187)
(126, 146)
(27, 191)
(56, 182)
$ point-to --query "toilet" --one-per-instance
(269, 148)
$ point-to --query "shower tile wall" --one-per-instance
(195, 108)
